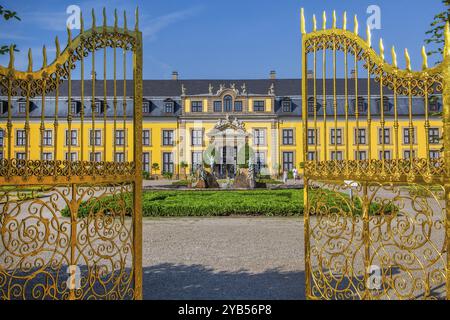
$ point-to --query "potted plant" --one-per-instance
(155, 167)
(183, 166)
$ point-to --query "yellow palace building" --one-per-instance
(190, 122)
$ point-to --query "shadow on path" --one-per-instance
(174, 281)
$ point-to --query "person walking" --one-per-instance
(295, 174)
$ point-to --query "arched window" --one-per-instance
(227, 103)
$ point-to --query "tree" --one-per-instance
(155, 166)
(7, 15)
(436, 33)
(184, 165)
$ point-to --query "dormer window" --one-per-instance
(197, 106)
(227, 103)
(73, 107)
(146, 107)
(22, 107)
(258, 105)
(361, 104)
(286, 105)
(97, 107)
(3, 107)
(168, 106)
(433, 103)
(386, 104)
(311, 105)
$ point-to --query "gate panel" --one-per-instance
(376, 179)
(70, 178)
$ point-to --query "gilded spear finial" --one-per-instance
(11, 57)
(334, 19)
(394, 57)
(44, 57)
(302, 21)
(124, 20)
(314, 22)
(30, 60)
(344, 21)
(356, 24)
(324, 20)
(447, 39)
(115, 20)
(104, 19)
(136, 26)
(69, 36)
(424, 58)
(369, 36)
(81, 22)
(408, 60)
(381, 49)
(58, 48)
(93, 19)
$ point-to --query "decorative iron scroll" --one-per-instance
(385, 234)
(71, 228)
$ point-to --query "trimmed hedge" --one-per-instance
(223, 203)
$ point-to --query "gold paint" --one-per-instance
(394, 57)
(381, 49)
(424, 58)
(407, 60)
(302, 21)
(344, 21)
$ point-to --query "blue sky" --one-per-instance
(220, 39)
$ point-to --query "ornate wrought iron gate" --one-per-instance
(376, 221)
(70, 171)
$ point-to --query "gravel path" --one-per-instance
(223, 258)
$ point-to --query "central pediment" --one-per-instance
(228, 127)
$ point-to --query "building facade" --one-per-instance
(194, 122)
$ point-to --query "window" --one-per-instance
(258, 105)
(120, 137)
(407, 154)
(386, 104)
(336, 155)
(146, 137)
(361, 137)
(288, 136)
(47, 139)
(406, 136)
(197, 137)
(1, 155)
(167, 137)
(433, 136)
(217, 106)
(361, 104)
(227, 103)
(286, 106)
(434, 154)
(387, 136)
(146, 161)
(73, 107)
(260, 161)
(288, 161)
(95, 156)
(311, 105)
(361, 155)
(168, 107)
(197, 106)
(311, 156)
(72, 156)
(259, 137)
(336, 136)
(312, 136)
(119, 157)
(71, 138)
(96, 137)
(238, 106)
(387, 155)
(21, 156)
(197, 160)
(167, 162)
(97, 107)
(20, 137)
(47, 156)
(2, 137)
(22, 107)
(433, 104)
(146, 107)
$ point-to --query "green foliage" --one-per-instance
(183, 183)
(167, 175)
(436, 33)
(183, 164)
(244, 154)
(7, 15)
(145, 175)
(227, 203)
(155, 166)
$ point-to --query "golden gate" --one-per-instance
(70, 227)
(386, 236)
